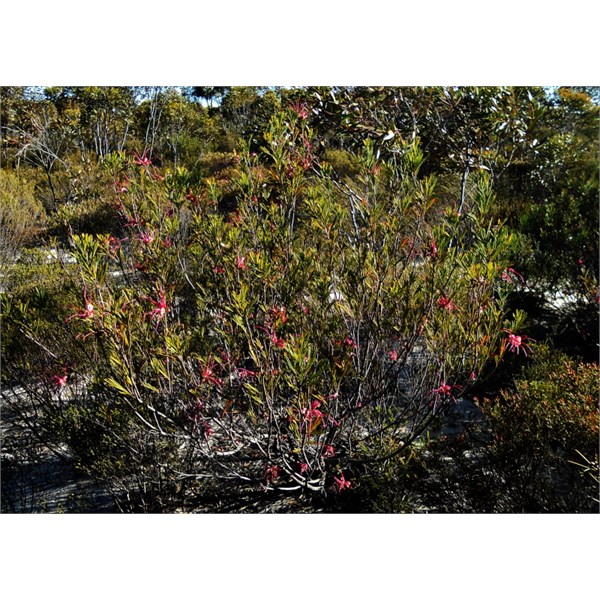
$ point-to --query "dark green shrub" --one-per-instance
(544, 425)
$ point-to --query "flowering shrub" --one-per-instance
(310, 326)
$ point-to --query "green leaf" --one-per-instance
(113, 383)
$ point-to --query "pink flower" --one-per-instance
(160, 308)
(446, 304)
(142, 160)
(219, 270)
(332, 421)
(133, 222)
(60, 380)
(328, 451)
(240, 262)
(146, 238)
(301, 109)
(515, 343)
(156, 175)
(393, 355)
(245, 373)
(433, 251)
(208, 373)
(510, 275)
(302, 468)
(277, 341)
(271, 473)
(340, 483)
(114, 244)
(443, 390)
(312, 414)
(120, 187)
(88, 311)
(349, 342)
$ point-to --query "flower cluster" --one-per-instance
(312, 416)
(301, 109)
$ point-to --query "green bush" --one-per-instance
(548, 422)
(22, 216)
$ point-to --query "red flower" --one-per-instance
(208, 373)
(340, 483)
(271, 473)
(393, 355)
(446, 304)
(240, 262)
(277, 341)
(60, 380)
(313, 414)
(142, 160)
(328, 451)
(433, 251)
(114, 244)
(88, 311)
(302, 468)
(160, 308)
(134, 222)
(443, 390)
(156, 175)
(120, 187)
